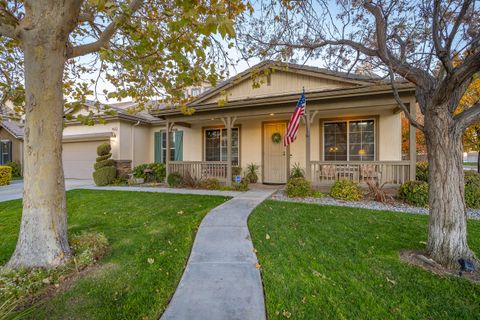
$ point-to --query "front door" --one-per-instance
(274, 153)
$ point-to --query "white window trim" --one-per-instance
(348, 137)
(205, 142)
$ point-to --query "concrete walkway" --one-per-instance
(15, 189)
(221, 281)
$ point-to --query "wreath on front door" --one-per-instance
(276, 137)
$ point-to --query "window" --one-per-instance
(216, 145)
(349, 140)
(176, 146)
(6, 151)
(196, 92)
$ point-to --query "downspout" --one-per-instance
(133, 142)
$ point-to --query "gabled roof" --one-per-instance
(13, 127)
(353, 79)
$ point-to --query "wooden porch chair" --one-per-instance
(368, 172)
(328, 172)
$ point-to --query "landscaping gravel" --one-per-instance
(365, 204)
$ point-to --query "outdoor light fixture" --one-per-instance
(466, 266)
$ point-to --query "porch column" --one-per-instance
(413, 141)
(169, 128)
(308, 119)
(229, 122)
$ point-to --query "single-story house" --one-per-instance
(352, 129)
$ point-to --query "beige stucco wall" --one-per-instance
(17, 145)
(280, 82)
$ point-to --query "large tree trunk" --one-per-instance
(43, 238)
(447, 232)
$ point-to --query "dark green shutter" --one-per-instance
(178, 145)
(158, 147)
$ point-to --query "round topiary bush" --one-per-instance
(298, 187)
(104, 149)
(472, 189)
(105, 169)
(414, 193)
(175, 179)
(346, 190)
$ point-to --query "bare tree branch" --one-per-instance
(468, 117)
(8, 24)
(107, 34)
(411, 117)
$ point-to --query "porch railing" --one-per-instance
(200, 169)
(389, 172)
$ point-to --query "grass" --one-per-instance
(150, 237)
(471, 164)
(323, 262)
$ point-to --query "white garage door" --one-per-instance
(78, 159)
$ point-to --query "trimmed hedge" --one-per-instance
(104, 157)
(104, 149)
(104, 163)
(414, 193)
(472, 189)
(104, 176)
(346, 190)
(5, 175)
(298, 187)
(105, 169)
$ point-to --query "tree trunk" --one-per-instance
(43, 238)
(447, 232)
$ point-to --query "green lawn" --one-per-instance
(138, 225)
(322, 262)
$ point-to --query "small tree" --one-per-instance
(105, 169)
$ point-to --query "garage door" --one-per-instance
(78, 159)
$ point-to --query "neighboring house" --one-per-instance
(355, 129)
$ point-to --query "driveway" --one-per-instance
(15, 189)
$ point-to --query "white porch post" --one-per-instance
(167, 146)
(228, 122)
(413, 142)
(308, 119)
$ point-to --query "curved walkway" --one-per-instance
(221, 281)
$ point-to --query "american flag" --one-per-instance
(292, 128)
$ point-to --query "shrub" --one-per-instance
(104, 149)
(105, 169)
(175, 179)
(297, 171)
(119, 181)
(242, 186)
(414, 193)
(251, 175)
(421, 171)
(472, 189)
(104, 176)
(236, 171)
(158, 171)
(346, 190)
(298, 187)
(210, 184)
(16, 170)
(104, 163)
(5, 175)
(104, 157)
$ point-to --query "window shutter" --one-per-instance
(158, 147)
(10, 156)
(178, 145)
